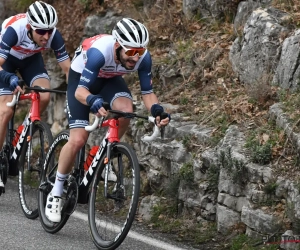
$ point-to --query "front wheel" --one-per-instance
(111, 217)
(47, 181)
(30, 165)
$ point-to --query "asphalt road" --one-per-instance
(19, 233)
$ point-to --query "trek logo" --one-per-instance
(24, 44)
(20, 141)
(84, 79)
(94, 163)
(61, 137)
(89, 71)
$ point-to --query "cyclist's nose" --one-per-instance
(135, 58)
(46, 36)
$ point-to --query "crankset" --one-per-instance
(71, 198)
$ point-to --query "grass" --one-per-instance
(186, 173)
(243, 242)
(270, 187)
(165, 218)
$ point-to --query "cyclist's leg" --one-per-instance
(78, 115)
(5, 115)
(10, 65)
(117, 94)
(34, 73)
(6, 112)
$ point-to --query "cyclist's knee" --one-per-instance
(45, 98)
(76, 141)
(42, 82)
(123, 103)
(5, 111)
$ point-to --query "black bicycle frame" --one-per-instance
(84, 185)
(15, 152)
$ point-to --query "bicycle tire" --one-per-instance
(29, 179)
(47, 181)
(117, 215)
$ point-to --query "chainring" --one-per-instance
(71, 198)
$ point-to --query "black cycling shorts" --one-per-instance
(30, 69)
(108, 88)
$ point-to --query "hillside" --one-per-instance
(192, 70)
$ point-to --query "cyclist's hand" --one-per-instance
(102, 111)
(11, 79)
(161, 118)
(13, 82)
(96, 102)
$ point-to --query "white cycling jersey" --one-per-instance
(105, 44)
(25, 47)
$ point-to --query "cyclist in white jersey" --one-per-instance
(22, 39)
(96, 77)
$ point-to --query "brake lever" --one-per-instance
(162, 128)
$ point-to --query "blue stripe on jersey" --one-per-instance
(9, 39)
(58, 46)
(95, 60)
(144, 72)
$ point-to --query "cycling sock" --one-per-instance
(57, 189)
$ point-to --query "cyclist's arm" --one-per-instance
(65, 66)
(9, 39)
(95, 60)
(149, 98)
(59, 48)
(144, 72)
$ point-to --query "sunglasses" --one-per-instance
(133, 51)
(42, 32)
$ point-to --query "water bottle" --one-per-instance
(90, 157)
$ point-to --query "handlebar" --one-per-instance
(119, 114)
(35, 89)
(43, 90)
(96, 123)
(14, 100)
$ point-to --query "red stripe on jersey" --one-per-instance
(15, 18)
(24, 51)
(87, 43)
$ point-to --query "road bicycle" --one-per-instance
(24, 149)
(111, 205)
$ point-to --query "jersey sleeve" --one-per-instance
(144, 72)
(95, 60)
(59, 48)
(9, 39)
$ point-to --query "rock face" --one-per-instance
(256, 53)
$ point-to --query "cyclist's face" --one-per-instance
(40, 40)
(128, 61)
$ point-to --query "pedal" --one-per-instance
(45, 187)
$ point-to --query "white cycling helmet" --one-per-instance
(131, 33)
(41, 15)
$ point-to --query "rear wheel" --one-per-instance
(110, 218)
(30, 165)
(47, 181)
